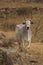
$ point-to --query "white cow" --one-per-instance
(23, 32)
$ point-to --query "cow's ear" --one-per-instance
(31, 22)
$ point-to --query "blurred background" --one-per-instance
(13, 12)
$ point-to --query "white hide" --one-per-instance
(22, 33)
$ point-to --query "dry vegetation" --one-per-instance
(9, 17)
(13, 56)
(11, 52)
(12, 12)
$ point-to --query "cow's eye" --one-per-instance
(23, 23)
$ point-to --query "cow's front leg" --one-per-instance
(29, 44)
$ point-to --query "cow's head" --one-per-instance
(28, 23)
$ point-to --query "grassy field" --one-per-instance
(33, 55)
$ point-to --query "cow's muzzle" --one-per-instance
(27, 28)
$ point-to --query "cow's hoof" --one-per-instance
(28, 47)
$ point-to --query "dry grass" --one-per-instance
(35, 50)
(17, 5)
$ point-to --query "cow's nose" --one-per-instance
(27, 28)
